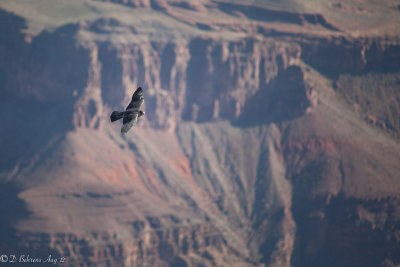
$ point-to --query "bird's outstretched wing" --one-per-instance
(130, 118)
(137, 99)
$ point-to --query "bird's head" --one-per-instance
(141, 113)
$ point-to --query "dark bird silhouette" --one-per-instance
(131, 113)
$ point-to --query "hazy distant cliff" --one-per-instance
(263, 141)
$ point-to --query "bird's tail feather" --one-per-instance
(116, 115)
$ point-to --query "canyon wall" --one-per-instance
(251, 151)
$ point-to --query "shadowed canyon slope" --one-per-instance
(271, 135)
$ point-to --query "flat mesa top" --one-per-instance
(217, 19)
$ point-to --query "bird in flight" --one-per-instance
(131, 113)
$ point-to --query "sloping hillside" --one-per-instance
(270, 136)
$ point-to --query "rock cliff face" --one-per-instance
(262, 143)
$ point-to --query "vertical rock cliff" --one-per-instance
(262, 143)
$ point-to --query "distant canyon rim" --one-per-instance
(271, 134)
